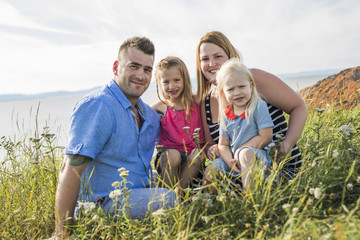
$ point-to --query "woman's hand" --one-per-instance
(213, 150)
(281, 151)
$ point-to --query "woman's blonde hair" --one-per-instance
(186, 95)
(219, 39)
(230, 68)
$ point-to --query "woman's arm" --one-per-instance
(208, 139)
(277, 93)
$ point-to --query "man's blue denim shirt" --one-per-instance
(103, 127)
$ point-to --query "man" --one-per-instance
(110, 129)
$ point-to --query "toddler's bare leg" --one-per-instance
(246, 158)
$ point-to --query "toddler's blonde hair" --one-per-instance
(228, 70)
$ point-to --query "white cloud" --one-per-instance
(70, 45)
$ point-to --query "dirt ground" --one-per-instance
(341, 90)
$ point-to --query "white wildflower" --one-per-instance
(311, 191)
(295, 210)
(225, 232)
(120, 170)
(310, 202)
(286, 205)
(209, 203)
(186, 128)
(271, 145)
(116, 184)
(95, 218)
(349, 186)
(220, 198)
(337, 168)
(358, 179)
(335, 153)
(205, 219)
(347, 129)
(115, 193)
(197, 130)
(317, 193)
(124, 174)
(87, 206)
(159, 212)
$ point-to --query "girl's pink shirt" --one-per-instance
(173, 134)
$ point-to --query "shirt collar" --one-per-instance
(229, 113)
(125, 103)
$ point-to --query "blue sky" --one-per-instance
(71, 44)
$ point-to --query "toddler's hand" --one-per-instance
(235, 165)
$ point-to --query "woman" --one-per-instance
(213, 50)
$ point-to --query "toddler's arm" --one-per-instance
(226, 154)
(261, 140)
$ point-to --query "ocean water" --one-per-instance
(26, 118)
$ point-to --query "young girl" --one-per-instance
(244, 116)
(178, 160)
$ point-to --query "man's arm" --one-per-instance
(68, 189)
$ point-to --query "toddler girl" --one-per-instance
(245, 122)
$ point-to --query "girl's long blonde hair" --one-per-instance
(186, 95)
(219, 39)
(227, 70)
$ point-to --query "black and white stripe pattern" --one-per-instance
(213, 127)
(280, 127)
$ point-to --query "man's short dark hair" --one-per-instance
(141, 43)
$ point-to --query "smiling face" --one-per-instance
(237, 91)
(211, 58)
(172, 82)
(133, 73)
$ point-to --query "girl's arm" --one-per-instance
(210, 144)
(159, 107)
(226, 154)
(280, 95)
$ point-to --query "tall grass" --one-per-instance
(322, 202)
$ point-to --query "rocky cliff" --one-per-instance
(341, 90)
